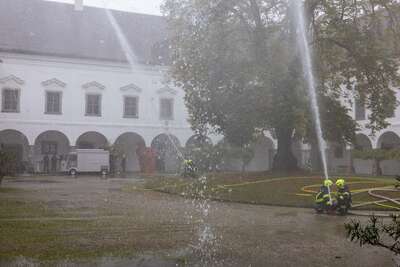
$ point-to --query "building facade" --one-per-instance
(78, 79)
(50, 106)
(66, 84)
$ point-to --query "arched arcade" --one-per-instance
(168, 153)
(50, 149)
(127, 153)
(17, 143)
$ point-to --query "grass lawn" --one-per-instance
(38, 231)
(295, 191)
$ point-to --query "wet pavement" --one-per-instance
(245, 235)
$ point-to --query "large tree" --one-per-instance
(239, 64)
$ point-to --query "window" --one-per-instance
(130, 107)
(53, 102)
(359, 110)
(10, 100)
(166, 108)
(93, 105)
(49, 148)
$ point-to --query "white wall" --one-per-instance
(32, 120)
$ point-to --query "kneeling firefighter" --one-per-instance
(323, 201)
(343, 196)
(189, 169)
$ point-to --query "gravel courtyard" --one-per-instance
(90, 221)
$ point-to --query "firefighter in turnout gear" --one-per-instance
(323, 201)
(343, 196)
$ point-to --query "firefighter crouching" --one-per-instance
(343, 197)
(323, 201)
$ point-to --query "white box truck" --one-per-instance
(88, 160)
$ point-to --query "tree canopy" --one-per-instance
(239, 65)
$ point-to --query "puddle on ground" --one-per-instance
(286, 214)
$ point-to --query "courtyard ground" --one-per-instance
(269, 189)
(90, 221)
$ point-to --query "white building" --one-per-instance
(65, 83)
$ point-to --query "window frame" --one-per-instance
(46, 108)
(172, 101)
(3, 110)
(86, 105)
(49, 144)
(124, 107)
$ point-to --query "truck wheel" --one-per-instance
(72, 172)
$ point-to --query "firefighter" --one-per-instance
(323, 200)
(343, 196)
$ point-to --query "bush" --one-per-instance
(8, 164)
(205, 156)
(376, 233)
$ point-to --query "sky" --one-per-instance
(138, 6)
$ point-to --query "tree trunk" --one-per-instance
(284, 159)
(377, 168)
(315, 156)
(350, 169)
(243, 166)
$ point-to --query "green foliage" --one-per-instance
(204, 154)
(8, 164)
(376, 233)
(244, 154)
(208, 157)
(356, 44)
(238, 63)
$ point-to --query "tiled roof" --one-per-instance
(57, 29)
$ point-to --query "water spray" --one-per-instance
(206, 238)
(123, 41)
(132, 60)
(308, 71)
(178, 152)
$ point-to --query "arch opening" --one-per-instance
(362, 142)
(50, 151)
(263, 155)
(389, 140)
(16, 143)
(166, 152)
(91, 140)
(127, 153)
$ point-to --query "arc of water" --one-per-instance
(178, 151)
(132, 60)
(130, 56)
(308, 71)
